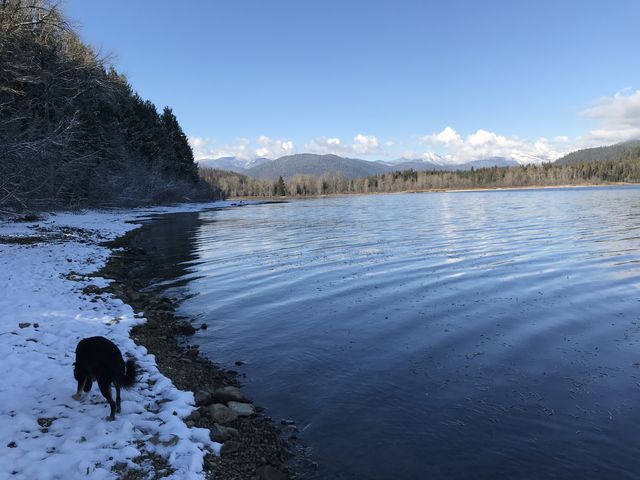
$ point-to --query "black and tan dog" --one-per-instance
(100, 359)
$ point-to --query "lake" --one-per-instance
(433, 335)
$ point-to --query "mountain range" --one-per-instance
(313, 164)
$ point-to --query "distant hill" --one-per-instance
(431, 165)
(612, 152)
(232, 164)
(312, 164)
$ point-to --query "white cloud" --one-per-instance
(242, 148)
(484, 144)
(204, 148)
(362, 145)
(618, 117)
(446, 137)
(273, 148)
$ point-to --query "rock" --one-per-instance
(229, 446)
(221, 413)
(204, 326)
(267, 472)
(193, 351)
(242, 409)
(221, 434)
(91, 289)
(203, 398)
(185, 328)
(239, 363)
(228, 394)
(24, 324)
(172, 442)
(287, 421)
(12, 444)
(36, 325)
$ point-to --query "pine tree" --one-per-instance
(281, 188)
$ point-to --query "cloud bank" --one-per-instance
(486, 144)
(616, 118)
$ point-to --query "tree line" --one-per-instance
(625, 169)
(73, 132)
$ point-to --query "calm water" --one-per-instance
(438, 335)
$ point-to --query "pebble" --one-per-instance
(24, 324)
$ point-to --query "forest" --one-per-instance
(73, 132)
(626, 169)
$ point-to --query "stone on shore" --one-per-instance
(203, 398)
(185, 328)
(228, 394)
(242, 409)
(221, 434)
(221, 413)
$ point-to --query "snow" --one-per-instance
(36, 367)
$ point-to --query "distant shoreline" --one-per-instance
(439, 190)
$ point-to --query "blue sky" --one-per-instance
(463, 79)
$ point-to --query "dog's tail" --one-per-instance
(128, 378)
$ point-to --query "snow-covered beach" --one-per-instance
(44, 433)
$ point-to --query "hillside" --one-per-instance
(317, 165)
(73, 132)
(619, 151)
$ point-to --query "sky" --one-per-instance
(459, 80)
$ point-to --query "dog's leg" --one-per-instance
(105, 389)
(81, 384)
(118, 409)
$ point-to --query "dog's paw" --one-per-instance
(76, 396)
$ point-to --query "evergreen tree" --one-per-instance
(281, 188)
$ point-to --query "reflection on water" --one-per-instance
(441, 335)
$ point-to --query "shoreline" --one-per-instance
(252, 445)
(435, 190)
(53, 272)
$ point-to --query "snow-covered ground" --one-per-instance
(44, 433)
